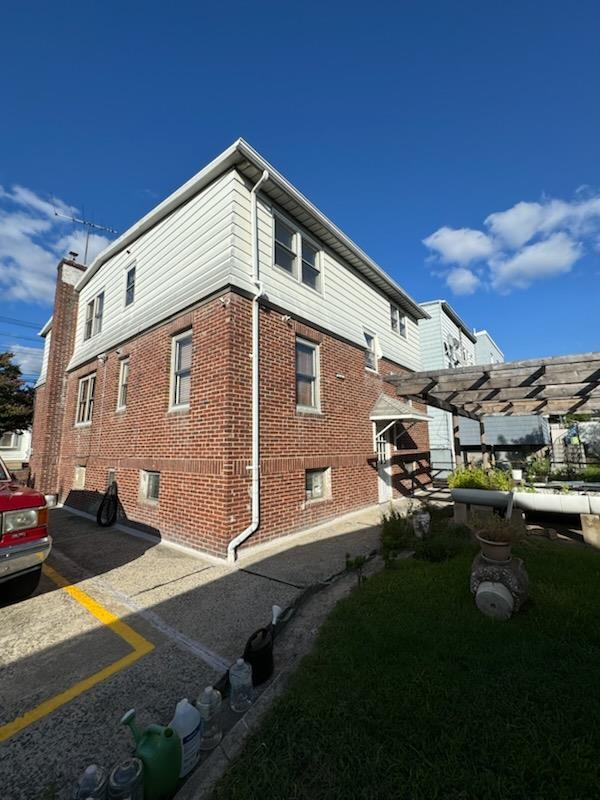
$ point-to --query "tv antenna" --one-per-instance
(88, 226)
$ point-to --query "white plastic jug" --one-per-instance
(187, 723)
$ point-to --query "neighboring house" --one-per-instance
(224, 361)
(512, 439)
(486, 349)
(446, 343)
(15, 449)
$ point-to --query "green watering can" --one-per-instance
(159, 749)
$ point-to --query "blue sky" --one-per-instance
(457, 143)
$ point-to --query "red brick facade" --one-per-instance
(203, 453)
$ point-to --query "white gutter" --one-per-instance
(255, 466)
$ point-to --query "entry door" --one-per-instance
(384, 465)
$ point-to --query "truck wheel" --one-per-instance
(21, 587)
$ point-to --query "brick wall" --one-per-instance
(203, 454)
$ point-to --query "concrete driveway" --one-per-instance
(119, 622)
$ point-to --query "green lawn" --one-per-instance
(412, 693)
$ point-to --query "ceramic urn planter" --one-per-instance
(494, 551)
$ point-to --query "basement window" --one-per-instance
(316, 484)
(149, 485)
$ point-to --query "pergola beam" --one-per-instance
(556, 385)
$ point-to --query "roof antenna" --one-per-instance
(88, 225)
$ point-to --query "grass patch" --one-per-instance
(411, 693)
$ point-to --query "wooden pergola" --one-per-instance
(556, 385)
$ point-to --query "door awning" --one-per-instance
(389, 408)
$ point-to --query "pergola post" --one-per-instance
(456, 440)
(485, 456)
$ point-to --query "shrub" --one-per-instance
(592, 473)
(566, 473)
(478, 478)
(537, 467)
(396, 533)
(438, 547)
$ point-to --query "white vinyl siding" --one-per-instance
(181, 370)
(183, 258)
(44, 370)
(85, 399)
(346, 302)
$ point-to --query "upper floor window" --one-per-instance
(307, 375)
(397, 321)
(181, 372)
(296, 254)
(370, 351)
(130, 286)
(123, 382)
(85, 399)
(93, 316)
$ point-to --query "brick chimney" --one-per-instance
(50, 396)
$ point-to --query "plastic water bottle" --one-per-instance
(92, 784)
(187, 722)
(126, 781)
(240, 681)
(209, 706)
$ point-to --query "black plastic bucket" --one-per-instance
(259, 654)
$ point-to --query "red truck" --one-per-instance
(24, 540)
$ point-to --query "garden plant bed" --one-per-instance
(410, 692)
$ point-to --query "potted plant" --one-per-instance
(496, 535)
(475, 485)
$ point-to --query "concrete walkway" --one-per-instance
(192, 616)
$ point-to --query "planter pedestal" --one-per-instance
(500, 587)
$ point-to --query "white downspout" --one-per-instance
(255, 466)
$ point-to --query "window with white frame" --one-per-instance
(370, 351)
(297, 254)
(316, 484)
(93, 316)
(130, 286)
(85, 399)
(397, 321)
(307, 375)
(181, 372)
(149, 485)
(9, 441)
(123, 383)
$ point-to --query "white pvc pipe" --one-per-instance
(255, 466)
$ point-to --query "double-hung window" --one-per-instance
(297, 255)
(130, 286)
(85, 399)
(397, 321)
(93, 316)
(123, 383)
(370, 352)
(181, 375)
(307, 375)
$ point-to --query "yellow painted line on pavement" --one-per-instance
(140, 645)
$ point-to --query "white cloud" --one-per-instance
(462, 280)
(528, 242)
(32, 241)
(553, 256)
(28, 358)
(461, 246)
